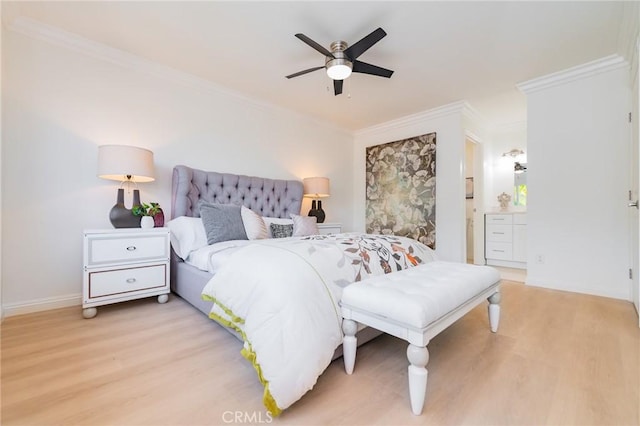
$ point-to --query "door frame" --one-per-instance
(634, 215)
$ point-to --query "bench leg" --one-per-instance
(494, 311)
(418, 357)
(349, 344)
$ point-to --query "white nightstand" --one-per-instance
(329, 228)
(124, 264)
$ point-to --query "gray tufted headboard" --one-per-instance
(267, 197)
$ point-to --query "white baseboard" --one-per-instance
(38, 305)
(564, 286)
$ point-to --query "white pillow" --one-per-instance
(187, 234)
(280, 221)
(254, 226)
(304, 225)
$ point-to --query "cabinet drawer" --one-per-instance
(119, 249)
(499, 233)
(119, 281)
(499, 251)
(499, 219)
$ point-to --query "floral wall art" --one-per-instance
(401, 188)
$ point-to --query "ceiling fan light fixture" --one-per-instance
(339, 68)
(341, 59)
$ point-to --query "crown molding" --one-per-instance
(608, 63)
(56, 36)
(472, 113)
(410, 120)
(53, 35)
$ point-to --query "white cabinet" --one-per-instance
(124, 264)
(506, 239)
(329, 228)
(520, 238)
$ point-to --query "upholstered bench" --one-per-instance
(415, 305)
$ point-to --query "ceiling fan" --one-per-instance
(342, 59)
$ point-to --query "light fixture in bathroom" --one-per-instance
(515, 152)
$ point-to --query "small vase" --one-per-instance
(158, 219)
(147, 222)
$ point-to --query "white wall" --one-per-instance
(447, 122)
(578, 142)
(59, 105)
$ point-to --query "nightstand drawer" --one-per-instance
(329, 228)
(118, 249)
(121, 281)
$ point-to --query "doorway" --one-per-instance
(474, 195)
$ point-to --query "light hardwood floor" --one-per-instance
(558, 359)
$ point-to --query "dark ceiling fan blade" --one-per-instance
(365, 68)
(363, 45)
(304, 72)
(337, 87)
(315, 45)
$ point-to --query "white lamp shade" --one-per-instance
(117, 162)
(316, 187)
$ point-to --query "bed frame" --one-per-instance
(267, 197)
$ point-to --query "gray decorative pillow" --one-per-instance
(281, 231)
(222, 222)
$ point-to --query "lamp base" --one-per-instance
(317, 212)
(120, 216)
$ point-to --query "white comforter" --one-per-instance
(282, 297)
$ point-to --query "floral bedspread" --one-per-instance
(283, 297)
(362, 255)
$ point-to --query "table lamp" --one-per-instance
(316, 188)
(130, 165)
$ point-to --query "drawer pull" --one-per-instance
(131, 280)
(499, 251)
(498, 233)
(131, 248)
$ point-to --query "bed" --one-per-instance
(280, 296)
(268, 197)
